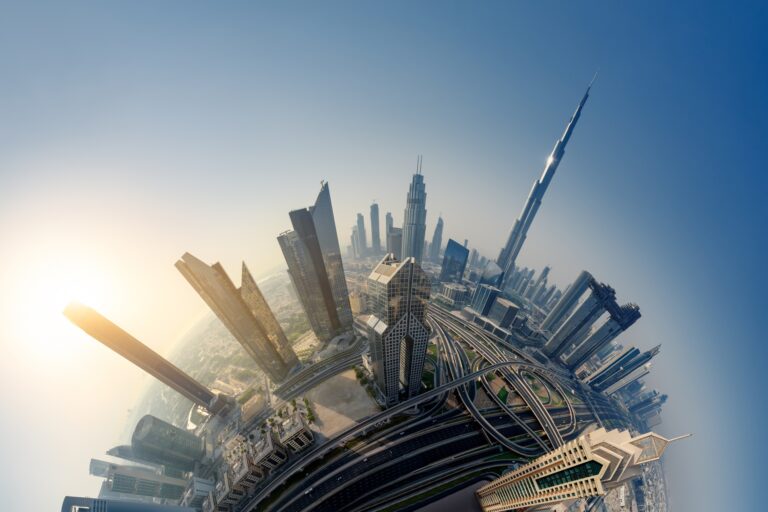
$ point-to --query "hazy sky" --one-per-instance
(132, 132)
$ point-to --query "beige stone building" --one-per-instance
(588, 466)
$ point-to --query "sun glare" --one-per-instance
(45, 288)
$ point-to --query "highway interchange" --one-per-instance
(428, 443)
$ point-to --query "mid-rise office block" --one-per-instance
(588, 466)
(503, 312)
(244, 312)
(483, 298)
(415, 218)
(145, 358)
(313, 256)
(454, 262)
(399, 294)
(455, 294)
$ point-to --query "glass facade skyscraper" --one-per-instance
(142, 356)
(160, 442)
(454, 262)
(415, 218)
(361, 235)
(437, 241)
(511, 249)
(398, 333)
(244, 312)
(395, 242)
(313, 256)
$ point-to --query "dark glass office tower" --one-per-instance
(313, 256)
(375, 238)
(142, 356)
(399, 294)
(415, 217)
(454, 262)
(244, 313)
(160, 442)
(389, 223)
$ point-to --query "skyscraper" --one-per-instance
(375, 239)
(311, 284)
(160, 442)
(244, 312)
(437, 241)
(138, 481)
(508, 254)
(454, 262)
(395, 242)
(145, 358)
(616, 369)
(620, 319)
(473, 256)
(362, 238)
(567, 303)
(399, 293)
(415, 217)
(313, 256)
(356, 243)
(588, 466)
(389, 222)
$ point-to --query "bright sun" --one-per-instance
(43, 291)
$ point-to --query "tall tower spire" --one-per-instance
(508, 254)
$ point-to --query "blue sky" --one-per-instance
(136, 131)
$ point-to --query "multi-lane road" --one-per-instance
(424, 442)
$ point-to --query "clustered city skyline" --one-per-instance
(480, 370)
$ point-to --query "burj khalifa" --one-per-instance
(508, 254)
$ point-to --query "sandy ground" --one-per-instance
(338, 403)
